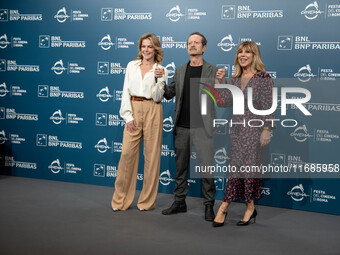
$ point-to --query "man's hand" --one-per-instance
(131, 126)
(220, 74)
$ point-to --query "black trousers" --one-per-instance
(184, 140)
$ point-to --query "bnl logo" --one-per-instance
(3, 15)
(2, 65)
(228, 12)
(99, 170)
(2, 113)
(41, 140)
(103, 68)
(106, 14)
(285, 42)
(43, 91)
(226, 68)
(219, 183)
(278, 159)
(101, 119)
(44, 41)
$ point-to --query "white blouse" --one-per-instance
(134, 85)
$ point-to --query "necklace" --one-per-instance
(147, 64)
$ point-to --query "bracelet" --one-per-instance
(267, 128)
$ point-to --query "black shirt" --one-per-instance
(190, 113)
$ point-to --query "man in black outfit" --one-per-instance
(190, 126)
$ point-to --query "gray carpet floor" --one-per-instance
(50, 217)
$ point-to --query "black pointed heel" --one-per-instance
(245, 223)
(220, 224)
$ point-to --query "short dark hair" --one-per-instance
(204, 40)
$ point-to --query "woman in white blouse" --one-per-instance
(142, 111)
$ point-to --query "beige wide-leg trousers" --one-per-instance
(149, 119)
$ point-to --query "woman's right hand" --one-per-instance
(131, 126)
(159, 72)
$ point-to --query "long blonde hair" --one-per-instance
(155, 43)
(257, 62)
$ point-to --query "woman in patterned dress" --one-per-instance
(247, 142)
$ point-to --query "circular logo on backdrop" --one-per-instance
(174, 14)
(300, 134)
(61, 15)
(226, 43)
(171, 69)
(165, 178)
(3, 90)
(304, 74)
(3, 41)
(104, 94)
(55, 166)
(106, 42)
(297, 193)
(2, 137)
(168, 124)
(58, 67)
(102, 146)
(57, 117)
(312, 11)
(221, 156)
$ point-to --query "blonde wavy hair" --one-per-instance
(257, 62)
(155, 43)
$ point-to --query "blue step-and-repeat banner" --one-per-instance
(62, 66)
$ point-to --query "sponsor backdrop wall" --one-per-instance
(62, 65)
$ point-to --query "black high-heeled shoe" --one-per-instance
(220, 224)
(245, 223)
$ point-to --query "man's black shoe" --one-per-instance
(209, 213)
(176, 207)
